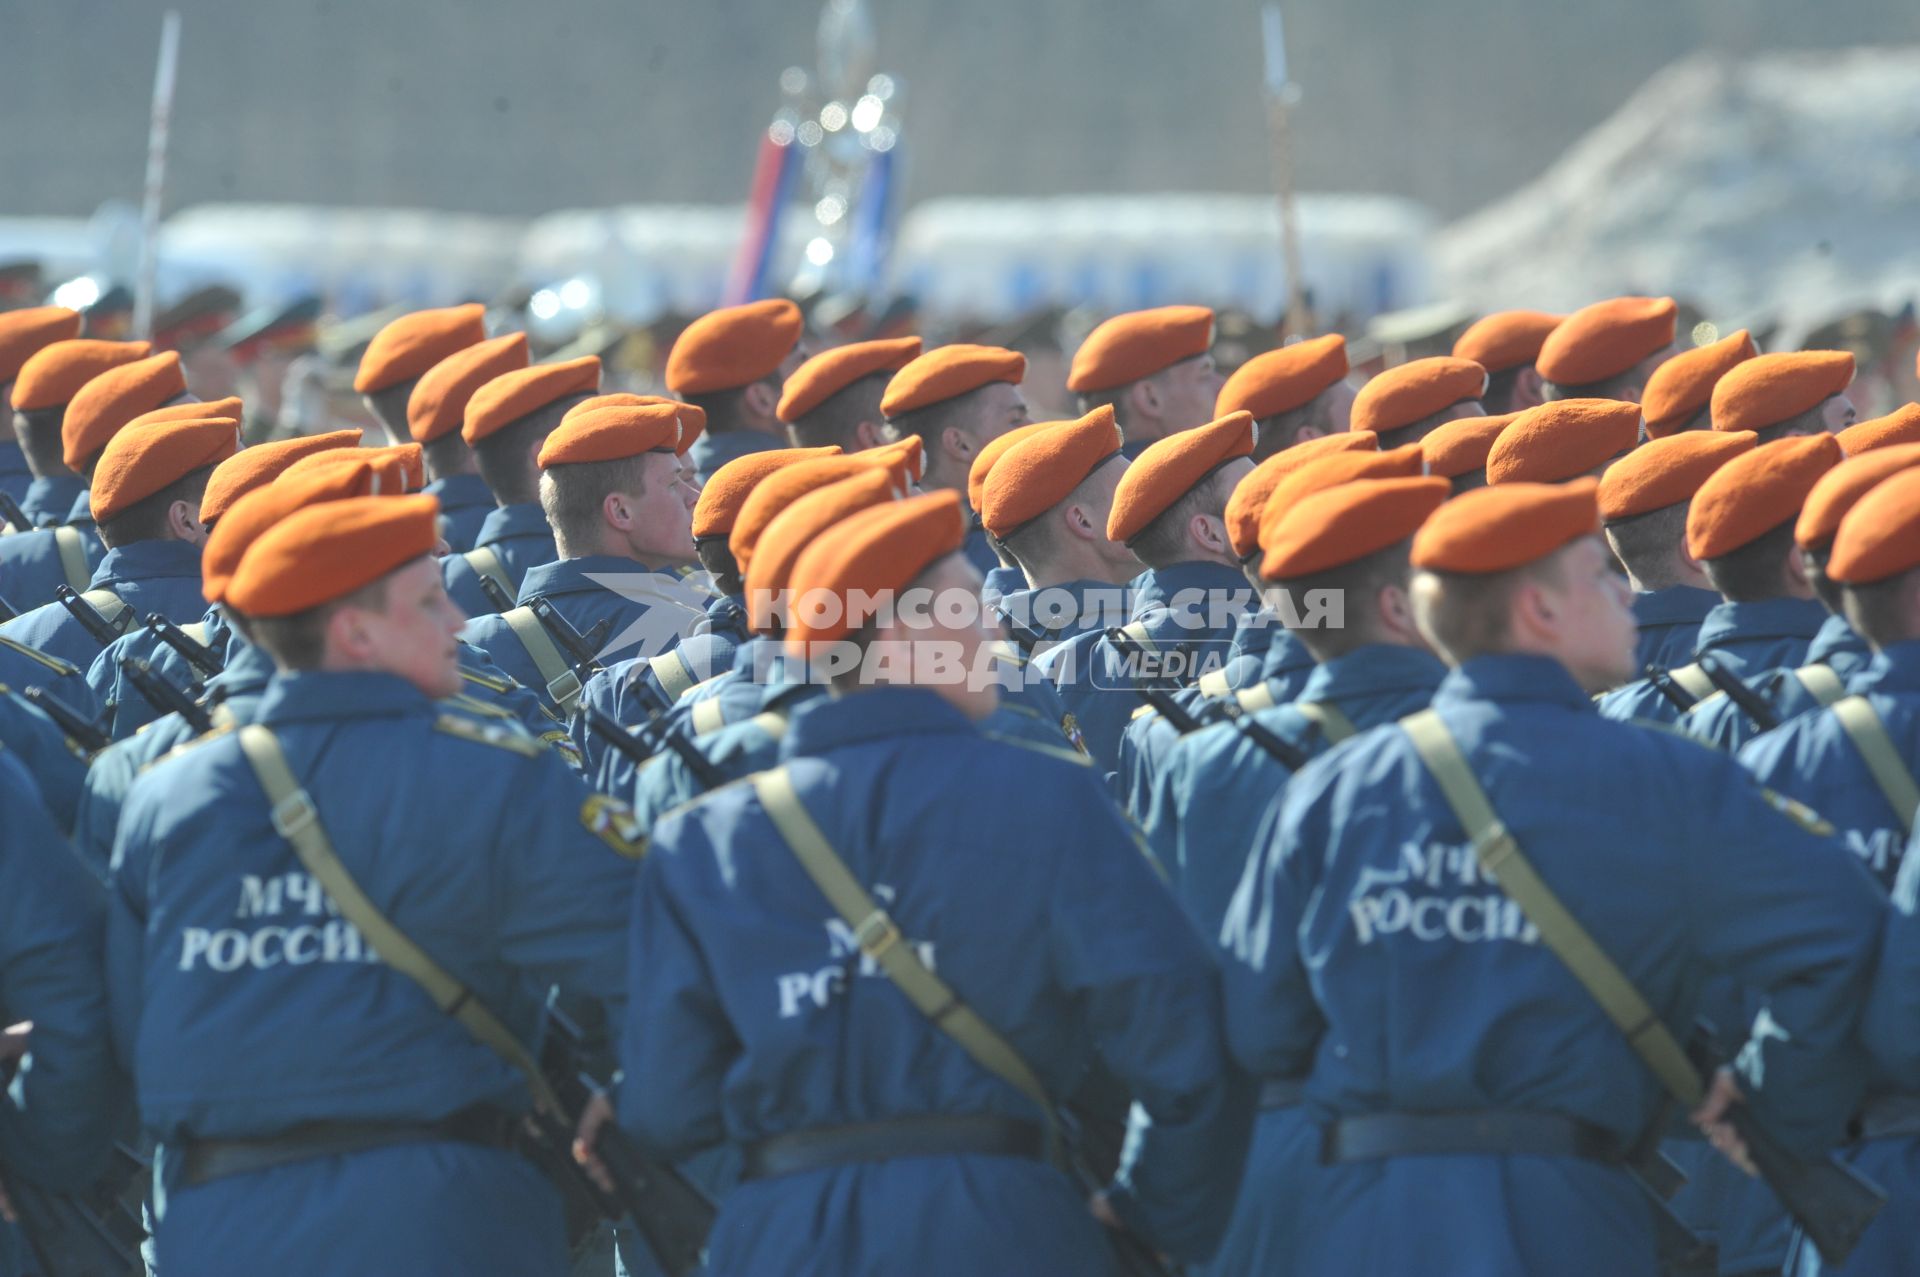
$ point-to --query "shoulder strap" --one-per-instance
(1501, 858)
(1821, 683)
(880, 940)
(708, 716)
(1329, 718)
(1259, 696)
(73, 556)
(112, 609)
(296, 820)
(772, 722)
(563, 685)
(1214, 684)
(483, 560)
(1137, 631)
(1869, 735)
(1693, 681)
(676, 680)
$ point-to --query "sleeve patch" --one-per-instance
(1798, 812)
(613, 823)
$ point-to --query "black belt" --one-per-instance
(1281, 1092)
(1498, 1131)
(1887, 1116)
(931, 1136)
(206, 1160)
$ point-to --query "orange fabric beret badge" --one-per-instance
(1902, 425)
(612, 434)
(1505, 339)
(513, 395)
(1044, 467)
(832, 371)
(1880, 536)
(1841, 488)
(1499, 529)
(1678, 390)
(799, 525)
(1344, 524)
(260, 509)
(438, 404)
(324, 552)
(722, 496)
(53, 374)
(947, 373)
(1756, 492)
(1606, 339)
(24, 333)
(411, 344)
(1278, 381)
(1664, 472)
(878, 550)
(1767, 389)
(260, 465)
(1136, 345)
(778, 491)
(1460, 446)
(1250, 495)
(100, 408)
(1170, 468)
(1558, 440)
(1401, 396)
(732, 347)
(1333, 472)
(141, 460)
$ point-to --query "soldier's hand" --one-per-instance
(1711, 1118)
(593, 1119)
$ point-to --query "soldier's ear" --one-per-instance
(760, 399)
(1143, 398)
(958, 446)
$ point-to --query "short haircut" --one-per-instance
(1357, 584)
(1275, 434)
(389, 408)
(1115, 398)
(1882, 611)
(1465, 615)
(1645, 544)
(445, 455)
(1415, 431)
(718, 560)
(1034, 543)
(835, 418)
(1755, 570)
(573, 496)
(1468, 480)
(504, 456)
(1825, 588)
(1801, 423)
(1497, 398)
(39, 434)
(725, 408)
(146, 519)
(1621, 386)
(1163, 542)
(929, 421)
(299, 641)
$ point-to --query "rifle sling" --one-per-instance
(1821, 683)
(72, 548)
(1868, 733)
(1693, 680)
(486, 561)
(1329, 718)
(563, 685)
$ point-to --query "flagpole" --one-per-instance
(1282, 93)
(163, 80)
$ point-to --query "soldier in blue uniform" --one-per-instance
(436, 411)
(1295, 394)
(751, 1007)
(1154, 368)
(294, 1081)
(1506, 343)
(1364, 922)
(1406, 403)
(833, 399)
(1740, 530)
(731, 364)
(42, 387)
(1608, 350)
(24, 333)
(1457, 451)
(56, 762)
(505, 422)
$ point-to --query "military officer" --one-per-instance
(731, 364)
(1679, 392)
(1799, 392)
(1563, 440)
(1608, 350)
(1154, 368)
(1404, 404)
(436, 410)
(834, 397)
(1364, 903)
(1506, 344)
(23, 333)
(1457, 451)
(1294, 394)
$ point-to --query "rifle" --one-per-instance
(635, 747)
(581, 650)
(1183, 721)
(98, 627)
(1751, 703)
(1176, 714)
(672, 1215)
(1679, 697)
(197, 654)
(15, 516)
(496, 593)
(164, 696)
(92, 1232)
(77, 727)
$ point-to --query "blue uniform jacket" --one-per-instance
(1000, 582)
(629, 690)
(1892, 1038)
(1669, 623)
(739, 749)
(1365, 943)
(148, 576)
(247, 1006)
(1746, 638)
(711, 451)
(30, 566)
(22, 667)
(1038, 619)
(750, 1016)
(50, 500)
(465, 503)
(519, 535)
(978, 550)
(56, 764)
(15, 478)
(1718, 721)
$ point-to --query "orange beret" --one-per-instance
(1505, 339)
(192, 410)
(387, 469)
(1250, 495)
(100, 408)
(908, 454)
(1678, 389)
(1415, 390)
(1170, 468)
(260, 509)
(947, 373)
(733, 347)
(722, 495)
(1841, 488)
(781, 489)
(1345, 523)
(1499, 529)
(439, 399)
(693, 418)
(1136, 345)
(408, 460)
(1768, 389)
(1460, 446)
(612, 434)
(260, 465)
(832, 371)
(1043, 466)
(1278, 381)
(879, 549)
(1902, 425)
(1332, 472)
(1880, 537)
(1756, 492)
(411, 344)
(1606, 339)
(1563, 438)
(800, 525)
(1664, 472)
(513, 395)
(990, 454)
(55, 373)
(141, 460)
(325, 552)
(23, 333)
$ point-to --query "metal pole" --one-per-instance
(1281, 95)
(163, 79)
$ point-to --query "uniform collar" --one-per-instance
(1675, 605)
(1256, 637)
(1372, 669)
(1765, 619)
(1512, 677)
(503, 523)
(12, 459)
(836, 722)
(148, 560)
(1069, 607)
(54, 493)
(1893, 669)
(572, 576)
(249, 669)
(1156, 587)
(82, 511)
(1285, 655)
(460, 491)
(329, 694)
(1836, 638)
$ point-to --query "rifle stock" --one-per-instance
(98, 628)
(197, 654)
(1751, 703)
(164, 696)
(85, 734)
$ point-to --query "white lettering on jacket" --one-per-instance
(223, 950)
(798, 992)
(1436, 893)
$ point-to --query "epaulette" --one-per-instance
(488, 681)
(461, 701)
(489, 734)
(1141, 713)
(1051, 751)
(1798, 812)
(1257, 697)
(1668, 729)
(52, 662)
(1214, 684)
(223, 729)
(707, 716)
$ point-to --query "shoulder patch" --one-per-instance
(1798, 812)
(471, 705)
(1060, 752)
(53, 663)
(499, 737)
(613, 823)
(562, 744)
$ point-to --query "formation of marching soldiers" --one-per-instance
(818, 820)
